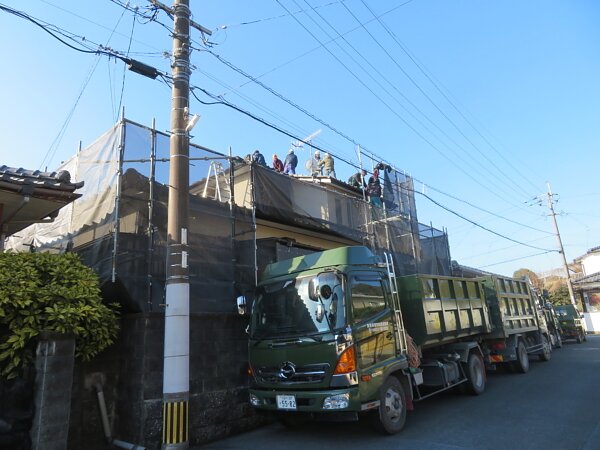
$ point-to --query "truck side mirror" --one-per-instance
(241, 305)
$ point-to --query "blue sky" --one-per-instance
(483, 102)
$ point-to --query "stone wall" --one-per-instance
(130, 374)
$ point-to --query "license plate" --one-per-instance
(286, 402)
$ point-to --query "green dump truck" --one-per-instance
(519, 326)
(571, 323)
(335, 334)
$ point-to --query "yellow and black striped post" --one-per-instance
(175, 422)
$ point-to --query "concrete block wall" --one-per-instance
(52, 395)
(131, 375)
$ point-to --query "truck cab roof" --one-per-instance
(356, 255)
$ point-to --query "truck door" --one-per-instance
(371, 318)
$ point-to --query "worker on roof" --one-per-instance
(290, 163)
(313, 165)
(327, 165)
(258, 158)
(277, 164)
(358, 179)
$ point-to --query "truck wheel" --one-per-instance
(546, 350)
(475, 374)
(522, 363)
(391, 416)
(579, 338)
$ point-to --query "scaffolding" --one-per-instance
(242, 217)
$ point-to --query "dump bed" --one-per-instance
(512, 306)
(438, 310)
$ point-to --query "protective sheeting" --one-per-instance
(119, 225)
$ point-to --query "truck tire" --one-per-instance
(475, 370)
(546, 350)
(521, 365)
(579, 338)
(391, 416)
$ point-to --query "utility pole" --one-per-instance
(176, 364)
(560, 245)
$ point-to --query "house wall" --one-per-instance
(591, 263)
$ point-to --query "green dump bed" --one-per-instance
(512, 306)
(438, 310)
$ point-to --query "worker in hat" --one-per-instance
(314, 166)
(290, 163)
(327, 165)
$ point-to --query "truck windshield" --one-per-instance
(285, 308)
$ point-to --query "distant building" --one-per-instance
(587, 286)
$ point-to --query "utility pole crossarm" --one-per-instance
(170, 11)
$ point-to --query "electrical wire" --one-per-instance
(481, 226)
(124, 70)
(465, 162)
(433, 103)
(266, 19)
(517, 259)
(423, 70)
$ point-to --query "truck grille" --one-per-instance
(310, 373)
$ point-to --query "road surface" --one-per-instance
(556, 405)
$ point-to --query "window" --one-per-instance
(367, 297)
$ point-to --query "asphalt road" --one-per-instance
(556, 405)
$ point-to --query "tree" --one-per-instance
(560, 296)
(532, 276)
(49, 292)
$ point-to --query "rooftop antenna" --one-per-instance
(307, 140)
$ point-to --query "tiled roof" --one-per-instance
(592, 278)
(59, 181)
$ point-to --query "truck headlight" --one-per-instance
(339, 401)
(254, 400)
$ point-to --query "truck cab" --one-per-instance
(326, 340)
(571, 323)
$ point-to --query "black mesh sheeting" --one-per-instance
(435, 251)
(286, 200)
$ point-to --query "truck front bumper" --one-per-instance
(306, 401)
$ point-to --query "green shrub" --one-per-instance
(49, 292)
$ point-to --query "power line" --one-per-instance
(479, 225)
(428, 97)
(423, 70)
(319, 46)
(314, 117)
(460, 167)
(266, 19)
(123, 79)
(480, 208)
(517, 259)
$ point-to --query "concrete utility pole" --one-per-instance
(560, 245)
(176, 374)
